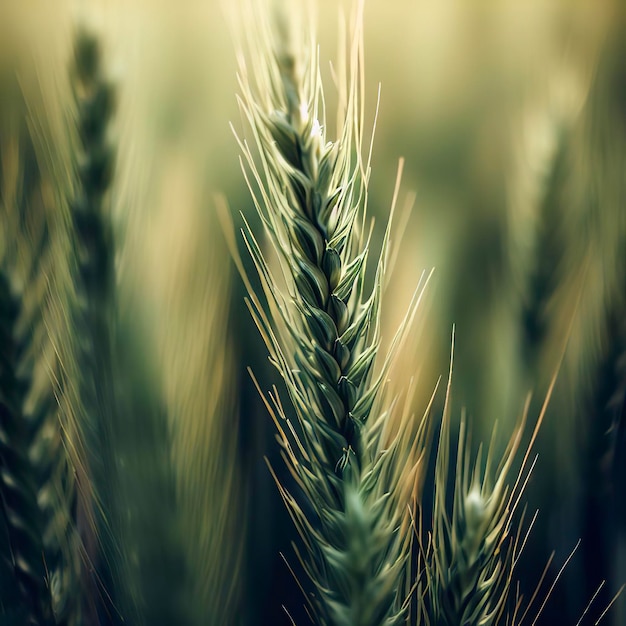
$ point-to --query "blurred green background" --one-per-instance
(511, 118)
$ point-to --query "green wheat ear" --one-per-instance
(38, 485)
(322, 329)
(19, 479)
(92, 312)
(38, 434)
(474, 549)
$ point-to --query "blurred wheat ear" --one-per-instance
(20, 478)
(38, 460)
(159, 437)
(92, 312)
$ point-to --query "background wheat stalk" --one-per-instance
(38, 461)
(93, 311)
(97, 406)
(21, 479)
(162, 445)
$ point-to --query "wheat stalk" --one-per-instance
(152, 585)
(177, 430)
(19, 478)
(472, 564)
(473, 550)
(323, 329)
(94, 100)
(92, 313)
(199, 380)
(601, 402)
(34, 254)
(169, 551)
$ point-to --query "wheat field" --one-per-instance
(312, 312)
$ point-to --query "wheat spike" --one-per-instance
(34, 259)
(473, 551)
(92, 314)
(471, 562)
(19, 479)
(323, 328)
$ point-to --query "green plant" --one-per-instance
(473, 551)
(103, 466)
(38, 485)
(323, 331)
